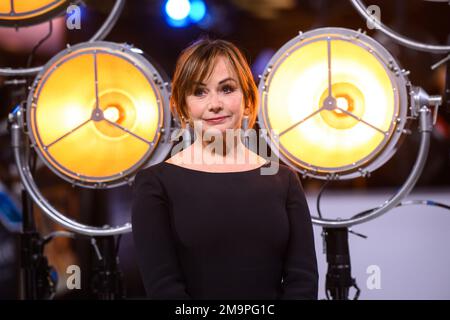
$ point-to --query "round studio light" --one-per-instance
(26, 12)
(334, 103)
(178, 9)
(96, 113)
(198, 10)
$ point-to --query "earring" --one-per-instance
(185, 121)
(244, 128)
(188, 123)
(188, 133)
(244, 124)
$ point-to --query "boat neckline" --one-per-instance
(219, 172)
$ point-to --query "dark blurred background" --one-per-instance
(259, 28)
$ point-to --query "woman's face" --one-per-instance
(217, 103)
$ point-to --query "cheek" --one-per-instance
(194, 107)
(236, 103)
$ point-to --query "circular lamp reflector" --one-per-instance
(96, 113)
(27, 12)
(334, 103)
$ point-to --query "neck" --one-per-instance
(221, 149)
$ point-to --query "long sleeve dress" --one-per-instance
(224, 235)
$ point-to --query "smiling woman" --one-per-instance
(231, 73)
(219, 101)
(221, 229)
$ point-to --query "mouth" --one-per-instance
(216, 120)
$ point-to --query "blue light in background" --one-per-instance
(198, 10)
(178, 9)
(180, 13)
(177, 23)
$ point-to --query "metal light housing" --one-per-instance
(334, 103)
(97, 112)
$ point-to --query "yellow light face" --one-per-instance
(21, 10)
(64, 124)
(329, 140)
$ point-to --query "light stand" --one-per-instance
(37, 282)
(107, 282)
(306, 131)
(339, 279)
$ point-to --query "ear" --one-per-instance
(246, 111)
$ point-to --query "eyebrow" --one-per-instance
(220, 82)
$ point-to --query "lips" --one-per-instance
(217, 119)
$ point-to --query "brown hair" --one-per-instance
(196, 63)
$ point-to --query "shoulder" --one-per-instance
(153, 173)
(287, 169)
(280, 169)
(151, 182)
(181, 157)
(289, 175)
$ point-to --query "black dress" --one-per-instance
(230, 235)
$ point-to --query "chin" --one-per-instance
(217, 129)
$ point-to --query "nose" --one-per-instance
(215, 104)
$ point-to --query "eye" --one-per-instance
(228, 88)
(198, 92)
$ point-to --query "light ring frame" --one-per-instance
(397, 77)
(154, 78)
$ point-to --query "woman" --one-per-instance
(206, 223)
